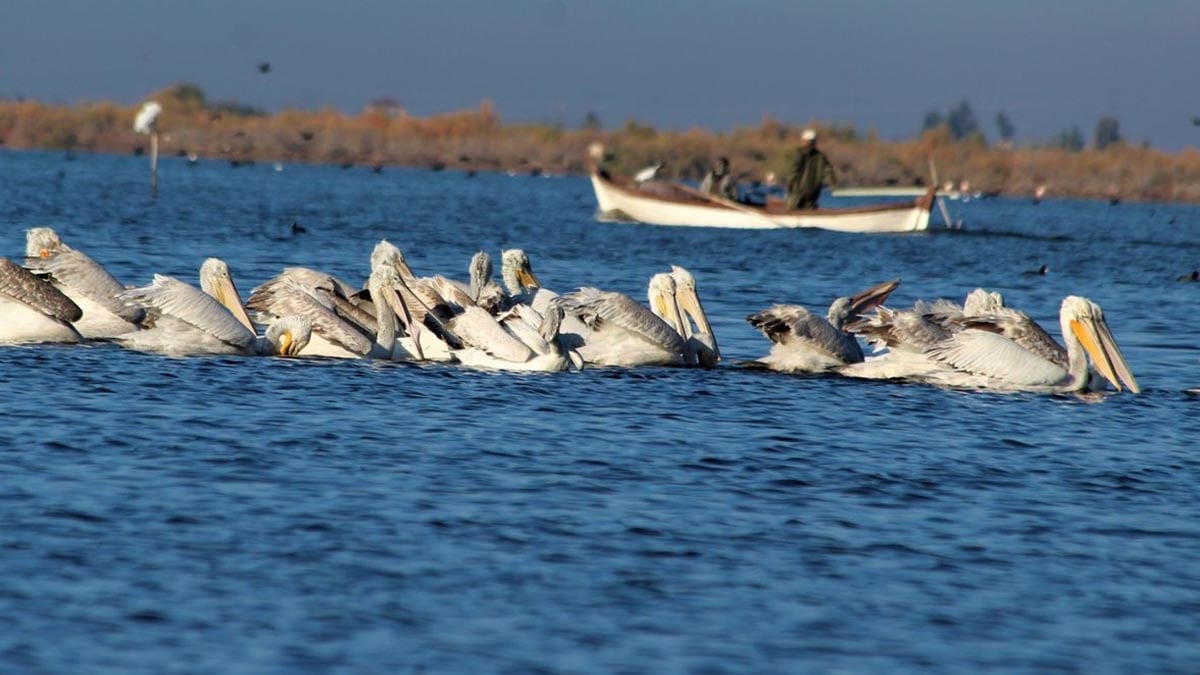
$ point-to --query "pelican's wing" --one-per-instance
(306, 276)
(493, 298)
(597, 308)
(795, 327)
(284, 296)
(478, 329)
(189, 304)
(75, 270)
(992, 355)
(906, 330)
(1018, 327)
(20, 284)
(450, 291)
(522, 322)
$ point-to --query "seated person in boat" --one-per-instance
(720, 182)
(810, 170)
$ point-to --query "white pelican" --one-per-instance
(907, 334)
(188, 321)
(334, 334)
(622, 332)
(217, 282)
(807, 343)
(1007, 350)
(702, 343)
(83, 280)
(484, 290)
(521, 283)
(31, 310)
(422, 306)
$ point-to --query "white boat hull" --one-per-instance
(627, 203)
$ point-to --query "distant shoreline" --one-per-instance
(476, 140)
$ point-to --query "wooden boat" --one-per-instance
(665, 203)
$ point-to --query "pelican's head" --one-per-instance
(42, 242)
(845, 310)
(689, 304)
(386, 253)
(480, 272)
(661, 294)
(289, 335)
(980, 302)
(147, 117)
(216, 280)
(517, 271)
(1084, 320)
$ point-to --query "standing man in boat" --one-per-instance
(810, 171)
(720, 182)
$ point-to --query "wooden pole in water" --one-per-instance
(154, 164)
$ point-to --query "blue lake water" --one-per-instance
(241, 515)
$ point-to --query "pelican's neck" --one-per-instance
(481, 274)
(1077, 360)
(511, 283)
(385, 318)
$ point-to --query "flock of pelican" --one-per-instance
(62, 295)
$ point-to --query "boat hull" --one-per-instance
(627, 202)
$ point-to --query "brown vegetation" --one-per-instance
(476, 139)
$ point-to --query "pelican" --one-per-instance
(807, 343)
(335, 334)
(521, 283)
(484, 290)
(188, 321)
(621, 332)
(422, 306)
(1007, 350)
(83, 280)
(702, 343)
(31, 310)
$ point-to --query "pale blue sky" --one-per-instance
(1047, 64)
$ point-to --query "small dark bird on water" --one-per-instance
(1041, 271)
(306, 135)
(264, 67)
(378, 168)
(297, 228)
(1193, 277)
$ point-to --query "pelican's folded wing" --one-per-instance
(20, 284)
(189, 304)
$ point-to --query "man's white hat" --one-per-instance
(808, 134)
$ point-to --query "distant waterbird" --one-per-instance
(264, 67)
(1041, 271)
(146, 123)
(648, 173)
(1193, 277)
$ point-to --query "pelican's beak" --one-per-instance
(403, 269)
(871, 298)
(227, 295)
(689, 302)
(44, 253)
(575, 358)
(392, 297)
(285, 344)
(1106, 356)
(527, 278)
